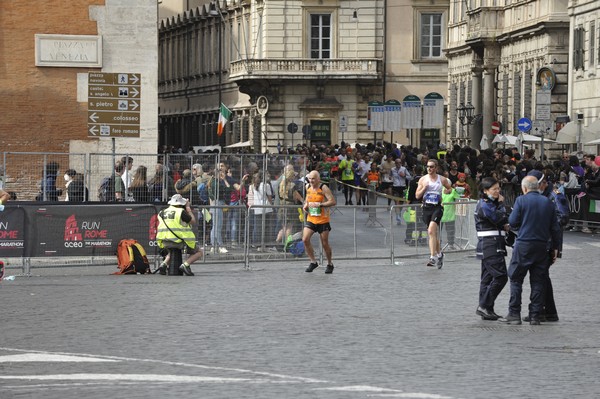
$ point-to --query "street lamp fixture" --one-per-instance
(466, 117)
(465, 113)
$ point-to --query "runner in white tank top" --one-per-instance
(429, 191)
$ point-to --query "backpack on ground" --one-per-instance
(131, 258)
(294, 245)
(106, 191)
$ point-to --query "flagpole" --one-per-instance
(216, 12)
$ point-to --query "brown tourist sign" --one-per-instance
(114, 104)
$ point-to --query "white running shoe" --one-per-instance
(440, 261)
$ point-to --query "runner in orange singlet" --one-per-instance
(319, 200)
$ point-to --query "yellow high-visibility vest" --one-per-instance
(170, 218)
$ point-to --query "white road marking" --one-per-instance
(169, 363)
(411, 395)
(162, 378)
(383, 392)
(358, 388)
(595, 243)
(570, 247)
(124, 377)
(45, 357)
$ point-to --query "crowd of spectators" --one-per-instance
(227, 182)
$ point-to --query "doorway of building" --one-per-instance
(320, 132)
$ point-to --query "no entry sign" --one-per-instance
(496, 127)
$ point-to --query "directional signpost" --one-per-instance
(524, 125)
(113, 104)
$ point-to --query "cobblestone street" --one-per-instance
(368, 330)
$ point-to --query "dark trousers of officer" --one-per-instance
(529, 257)
(493, 280)
(549, 306)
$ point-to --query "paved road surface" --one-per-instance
(370, 330)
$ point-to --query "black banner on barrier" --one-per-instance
(91, 230)
(12, 232)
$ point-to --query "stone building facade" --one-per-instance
(499, 54)
(310, 62)
(584, 73)
(318, 64)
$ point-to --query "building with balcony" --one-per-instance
(309, 62)
(508, 60)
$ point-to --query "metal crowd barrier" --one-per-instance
(35, 235)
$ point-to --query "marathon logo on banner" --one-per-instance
(87, 234)
(12, 222)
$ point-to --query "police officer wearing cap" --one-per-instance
(534, 216)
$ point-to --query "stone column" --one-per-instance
(491, 60)
(477, 101)
(489, 102)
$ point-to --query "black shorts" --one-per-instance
(318, 228)
(432, 213)
(385, 185)
(398, 191)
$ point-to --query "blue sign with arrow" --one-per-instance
(524, 125)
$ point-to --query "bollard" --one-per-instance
(176, 261)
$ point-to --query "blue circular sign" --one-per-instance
(524, 125)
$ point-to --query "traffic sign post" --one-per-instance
(292, 128)
(343, 125)
(114, 104)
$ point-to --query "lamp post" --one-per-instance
(466, 117)
(216, 13)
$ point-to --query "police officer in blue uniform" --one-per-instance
(534, 216)
(491, 222)
(549, 312)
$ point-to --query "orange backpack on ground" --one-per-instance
(131, 258)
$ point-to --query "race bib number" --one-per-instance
(432, 198)
(348, 172)
(314, 209)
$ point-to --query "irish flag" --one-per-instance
(224, 116)
(594, 206)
